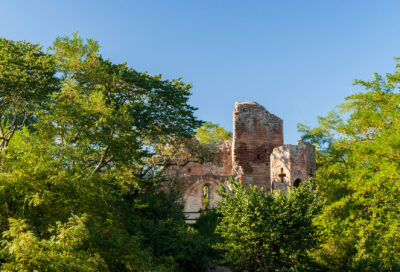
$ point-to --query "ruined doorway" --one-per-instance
(297, 183)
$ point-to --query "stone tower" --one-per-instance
(255, 134)
(255, 155)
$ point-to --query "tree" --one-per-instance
(358, 176)
(263, 232)
(210, 133)
(111, 114)
(27, 77)
(81, 170)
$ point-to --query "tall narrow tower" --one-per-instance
(255, 134)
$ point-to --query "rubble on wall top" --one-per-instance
(239, 106)
(246, 102)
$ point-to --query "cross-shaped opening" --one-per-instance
(282, 175)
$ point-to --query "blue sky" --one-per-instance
(296, 58)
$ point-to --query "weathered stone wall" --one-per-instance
(194, 176)
(280, 168)
(255, 133)
(302, 160)
(295, 162)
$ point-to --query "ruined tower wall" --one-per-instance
(255, 133)
(302, 161)
(280, 164)
(297, 162)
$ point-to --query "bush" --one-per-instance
(267, 232)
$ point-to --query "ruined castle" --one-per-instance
(255, 155)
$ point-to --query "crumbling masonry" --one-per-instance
(256, 155)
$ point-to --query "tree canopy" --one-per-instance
(27, 77)
(77, 190)
(358, 176)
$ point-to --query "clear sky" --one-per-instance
(296, 58)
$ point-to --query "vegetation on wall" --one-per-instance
(210, 133)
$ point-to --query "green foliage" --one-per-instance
(110, 114)
(65, 250)
(206, 225)
(26, 78)
(78, 191)
(210, 133)
(358, 176)
(264, 232)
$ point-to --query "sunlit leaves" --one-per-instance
(65, 250)
(210, 133)
(359, 178)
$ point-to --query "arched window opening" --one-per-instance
(207, 197)
(297, 183)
